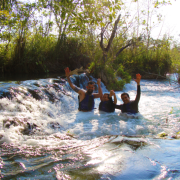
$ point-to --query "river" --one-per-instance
(44, 136)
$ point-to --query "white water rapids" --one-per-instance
(48, 138)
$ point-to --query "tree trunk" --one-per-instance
(105, 50)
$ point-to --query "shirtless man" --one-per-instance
(86, 98)
(130, 106)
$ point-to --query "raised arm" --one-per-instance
(75, 88)
(112, 93)
(138, 79)
(100, 93)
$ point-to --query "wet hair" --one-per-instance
(91, 83)
(124, 94)
(106, 94)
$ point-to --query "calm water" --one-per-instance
(44, 136)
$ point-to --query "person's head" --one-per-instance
(125, 98)
(90, 87)
(105, 97)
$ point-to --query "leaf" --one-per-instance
(156, 4)
(102, 24)
(110, 18)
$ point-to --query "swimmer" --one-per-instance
(107, 104)
(130, 106)
(86, 98)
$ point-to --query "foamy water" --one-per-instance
(44, 136)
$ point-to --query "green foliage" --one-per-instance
(5, 55)
(117, 85)
(48, 54)
(123, 74)
(109, 75)
(138, 59)
(28, 45)
(175, 56)
(37, 52)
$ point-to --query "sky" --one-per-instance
(170, 16)
(170, 24)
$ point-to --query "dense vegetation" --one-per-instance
(47, 36)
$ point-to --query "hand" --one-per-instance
(67, 72)
(138, 78)
(112, 93)
(98, 81)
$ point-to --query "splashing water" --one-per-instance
(44, 136)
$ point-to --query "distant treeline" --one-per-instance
(28, 44)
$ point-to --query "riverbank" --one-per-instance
(23, 77)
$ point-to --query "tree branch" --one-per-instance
(113, 33)
(101, 42)
(124, 47)
(102, 34)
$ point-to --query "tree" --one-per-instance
(7, 19)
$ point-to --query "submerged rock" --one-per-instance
(176, 136)
(162, 134)
(35, 94)
(8, 123)
(55, 125)
(64, 136)
(30, 128)
(27, 127)
(134, 142)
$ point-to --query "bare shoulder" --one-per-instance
(82, 92)
(96, 95)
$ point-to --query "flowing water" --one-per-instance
(44, 136)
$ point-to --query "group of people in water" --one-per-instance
(107, 104)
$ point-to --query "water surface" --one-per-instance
(44, 136)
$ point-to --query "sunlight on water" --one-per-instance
(44, 136)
